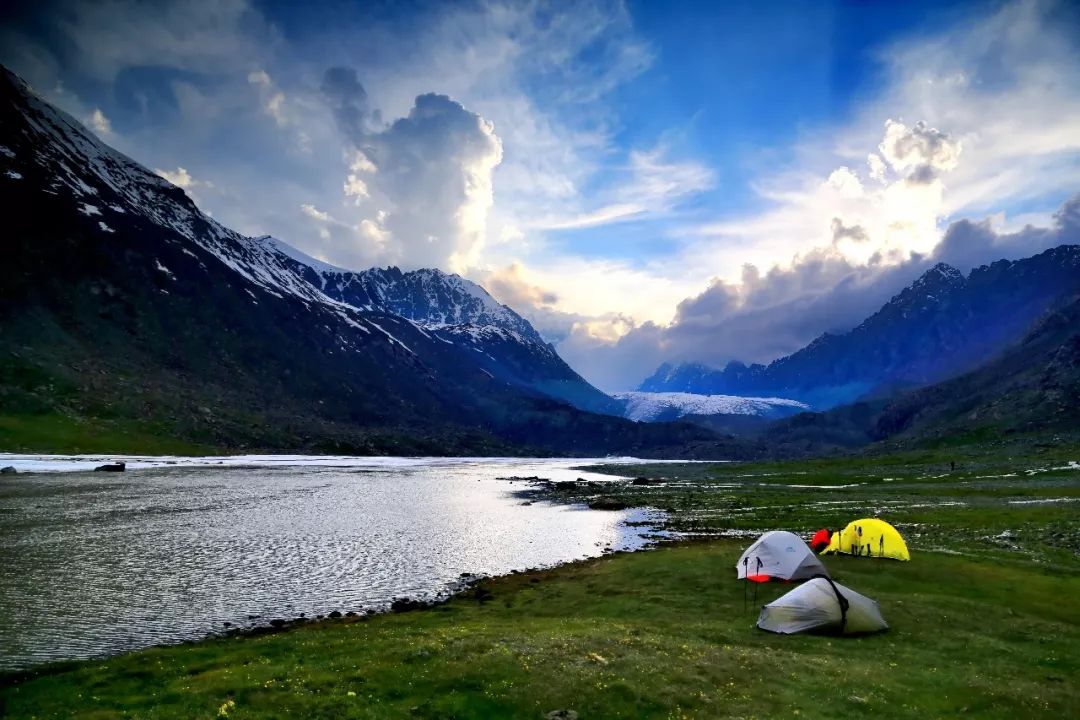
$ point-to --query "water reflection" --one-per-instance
(93, 564)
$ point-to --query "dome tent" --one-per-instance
(821, 540)
(778, 555)
(871, 537)
(822, 605)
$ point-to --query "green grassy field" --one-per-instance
(55, 433)
(984, 621)
(656, 634)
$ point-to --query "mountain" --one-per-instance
(942, 325)
(125, 307)
(1031, 387)
(457, 311)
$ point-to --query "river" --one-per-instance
(94, 563)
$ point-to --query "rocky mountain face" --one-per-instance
(1032, 387)
(942, 325)
(122, 302)
(457, 311)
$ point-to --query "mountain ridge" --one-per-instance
(125, 303)
(941, 325)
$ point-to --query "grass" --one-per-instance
(984, 619)
(56, 433)
(659, 634)
(1013, 502)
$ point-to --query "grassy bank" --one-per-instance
(984, 620)
(1015, 501)
(56, 433)
(657, 634)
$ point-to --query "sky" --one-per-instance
(646, 182)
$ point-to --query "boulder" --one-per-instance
(111, 467)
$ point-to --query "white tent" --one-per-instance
(821, 604)
(779, 555)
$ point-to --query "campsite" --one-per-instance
(981, 621)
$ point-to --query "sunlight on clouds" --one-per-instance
(883, 213)
(648, 185)
(485, 139)
(99, 123)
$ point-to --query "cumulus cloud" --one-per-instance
(512, 288)
(99, 123)
(426, 178)
(853, 232)
(273, 99)
(180, 177)
(920, 152)
(348, 100)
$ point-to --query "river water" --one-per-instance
(97, 563)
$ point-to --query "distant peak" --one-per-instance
(944, 270)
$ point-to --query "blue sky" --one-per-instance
(645, 181)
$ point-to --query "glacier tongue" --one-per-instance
(650, 406)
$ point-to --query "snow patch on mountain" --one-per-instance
(652, 406)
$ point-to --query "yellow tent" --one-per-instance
(871, 537)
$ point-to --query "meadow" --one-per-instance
(984, 620)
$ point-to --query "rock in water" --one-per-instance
(111, 467)
(9, 470)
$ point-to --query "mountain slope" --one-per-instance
(1033, 386)
(942, 325)
(123, 303)
(457, 311)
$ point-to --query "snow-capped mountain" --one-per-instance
(122, 300)
(429, 296)
(458, 310)
(453, 310)
(664, 406)
(941, 325)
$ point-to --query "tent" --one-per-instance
(821, 540)
(871, 537)
(822, 605)
(778, 555)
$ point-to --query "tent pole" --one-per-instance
(745, 579)
(756, 569)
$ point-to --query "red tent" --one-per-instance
(821, 540)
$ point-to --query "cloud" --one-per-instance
(980, 120)
(611, 238)
(99, 123)
(425, 179)
(766, 315)
(273, 99)
(107, 37)
(181, 178)
(512, 287)
(920, 152)
(316, 214)
(841, 231)
(968, 244)
(653, 186)
(348, 100)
